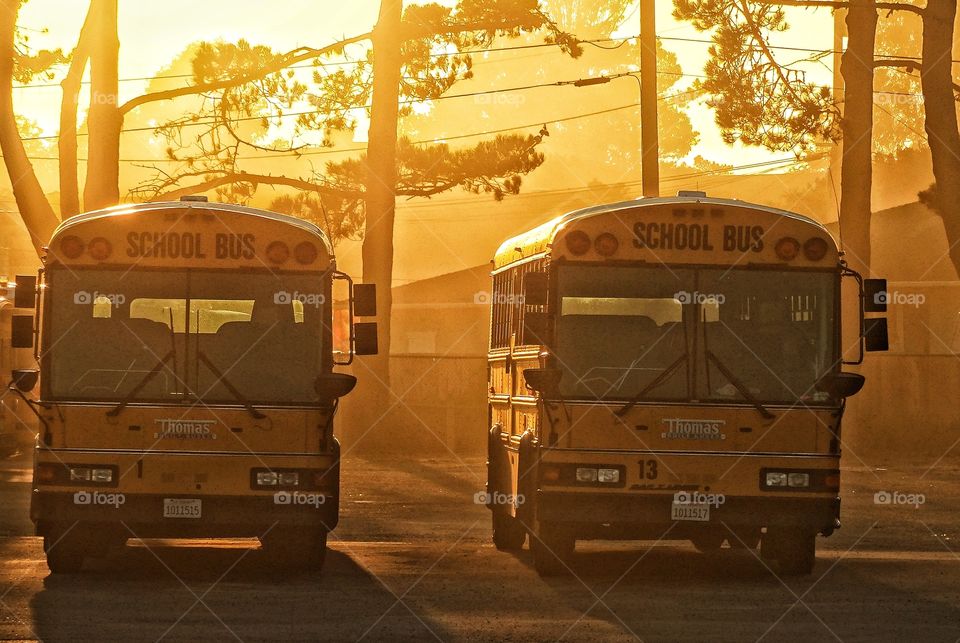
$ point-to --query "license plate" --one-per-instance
(182, 507)
(688, 511)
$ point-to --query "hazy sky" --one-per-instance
(152, 33)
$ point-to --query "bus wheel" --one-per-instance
(794, 550)
(307, 549)
(509, 533)
(708, 541)
(65, 552)
(552, 551)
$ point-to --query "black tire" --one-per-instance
(552, 552)
(65, 553)
(509, 534)
(709, 541)
(794, 550)
(291, 547)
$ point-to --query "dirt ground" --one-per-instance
(412, 560)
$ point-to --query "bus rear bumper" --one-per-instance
(649, 516)
(142, 515)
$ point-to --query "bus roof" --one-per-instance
(539, 239)
(134, 208)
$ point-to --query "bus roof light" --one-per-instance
(71, 247)
(787, 248)
(578, 242)
(305, 253)
(100, 249)
(815, 248)
(278, 252)
(606, 244)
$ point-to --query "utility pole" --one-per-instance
(649, 143)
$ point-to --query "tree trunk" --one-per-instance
(856, 172)
(940, 116)
(102, 188)
(35, 209)
(67, 143)
(380, 200)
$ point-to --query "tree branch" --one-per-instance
(281, 63)
(228, 178)
(840, 4)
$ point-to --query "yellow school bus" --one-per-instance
(186, 382)
(670, 368)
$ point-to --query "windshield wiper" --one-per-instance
(141, 384)
(230, 387)
(657, 381)
(740, 386)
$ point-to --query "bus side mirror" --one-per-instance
(25, 379)
(542, 380)
(334, 385)
(25, 295)
(365, 300)
(841, 385)
(536, 328)
(875, 297)
(365, 338)
(535, 288)
(875, 334)
(21, 331)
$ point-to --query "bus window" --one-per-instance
(102, 307)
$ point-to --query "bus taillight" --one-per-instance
(606, 244)
(278, 252)
(787, 248)
(578, 242)
(100, 249)
(305, 253)
(71, 247)
(815, 249)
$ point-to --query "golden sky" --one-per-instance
(152, 33)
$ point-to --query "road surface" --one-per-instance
(412, 560)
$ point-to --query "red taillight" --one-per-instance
(305, 252)
(278, 252)
(787, 248)
(100, 249)
(815, 249)
(71, 247)
(606, 244)
(47, 472)
(578, 242)
(831, 481)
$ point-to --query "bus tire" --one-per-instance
(509, 534)
(65, 552)
(552, 551)
(709, 541)
(794, 550)
(292, 547)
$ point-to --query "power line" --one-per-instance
(443, 139)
